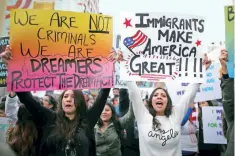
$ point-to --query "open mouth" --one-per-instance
(159, 104)
(68, 106)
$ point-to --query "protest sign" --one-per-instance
(162, 47)
(4, 41)
(229, 33)
(59, 50)
(210, 90)
(213, 125)
(118, 83)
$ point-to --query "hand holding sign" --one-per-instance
(223, 57)
(206, 61)
(116, 56)
(6, 55)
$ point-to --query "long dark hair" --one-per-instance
(168, 110)
(64, 128)
(114, 119)
(22, 136)
(53, 102)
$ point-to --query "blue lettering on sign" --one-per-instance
(180, 92)
(209, 74)
(220, 125)
(219, 133)
(184, 84)
(207, 89)
(219, 118)
(210, 80)
(211, 67)
(219, 111)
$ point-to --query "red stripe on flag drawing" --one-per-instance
(139, 38)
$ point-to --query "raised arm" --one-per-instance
(187, 115)
(40, 114)
(140, 110)
(185, 101)
(128, 117)
(94, 111)
(227, 87)
(11, 106)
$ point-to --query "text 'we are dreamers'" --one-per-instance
(86, 68)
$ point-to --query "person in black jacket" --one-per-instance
(70, 130)
(131, 144)
(227, 87)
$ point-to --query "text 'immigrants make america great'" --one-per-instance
(162, 47)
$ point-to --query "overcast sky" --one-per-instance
(212, 10)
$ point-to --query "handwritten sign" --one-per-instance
(118, 83)
(213, 125)
(210, 90)
(162, 47)
(59, 50)
(4, 41)
(229, 33)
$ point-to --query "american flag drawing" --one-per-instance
(136, 40)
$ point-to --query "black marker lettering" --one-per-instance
(92, 37)
(96, 60)
(62, 20)
(201, 26)
(44, 62)
(29, 19)
(35, 65)
(141, 24)
(144, 68)
(38, 34)
(16, 81)
(230, 13)
(40, 51)
(99, 25)
(53, 64)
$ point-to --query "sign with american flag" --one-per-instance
(138, 39)
(117, 82)
(162, 47)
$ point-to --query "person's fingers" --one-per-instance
(4, 56)
(7, 47)
(5, 61)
